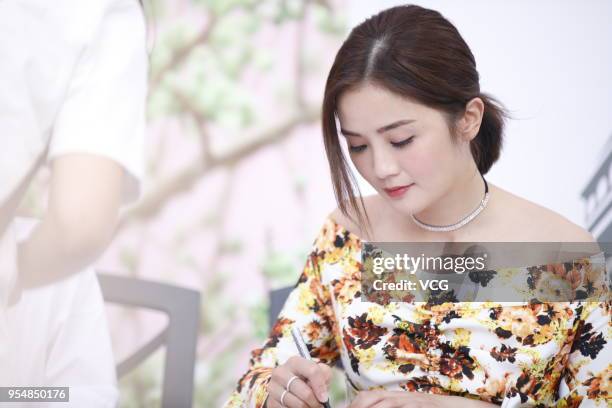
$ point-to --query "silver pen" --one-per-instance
(303, 350)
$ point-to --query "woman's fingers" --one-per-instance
(303, 391)
(394, 402)
(326, 373)
(290, 400)
(298, 388)
(315, 375)
(367, 399)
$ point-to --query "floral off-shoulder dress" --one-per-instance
(547, 354)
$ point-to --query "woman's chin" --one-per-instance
(403, 207)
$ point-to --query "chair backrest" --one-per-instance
(182, 306)
(277, 299)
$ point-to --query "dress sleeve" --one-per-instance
(308, 306)
(103, 112)
(587, 377)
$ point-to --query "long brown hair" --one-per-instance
(416, 53)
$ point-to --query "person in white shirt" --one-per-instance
(73, 88)
(63, 338)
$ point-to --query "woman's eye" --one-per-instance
(357, 149)
(403, 142)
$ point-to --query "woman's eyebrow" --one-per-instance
(394, 125)
(383, 129)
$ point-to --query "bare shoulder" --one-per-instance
(543, 224)
(371, 205)
(561, 229)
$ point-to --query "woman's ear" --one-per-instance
(469, 124)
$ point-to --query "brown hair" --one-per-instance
(416, 53)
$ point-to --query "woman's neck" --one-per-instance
(458, 202)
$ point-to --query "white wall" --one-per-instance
(550, 63)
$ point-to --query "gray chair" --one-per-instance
(277, 298)
(180, 335)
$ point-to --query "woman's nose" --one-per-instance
(385, 164)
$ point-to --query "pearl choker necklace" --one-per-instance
(462, 222)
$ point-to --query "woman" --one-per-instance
(405, 92)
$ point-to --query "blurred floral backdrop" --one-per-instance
(237, 184)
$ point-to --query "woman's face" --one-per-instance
(395, 142)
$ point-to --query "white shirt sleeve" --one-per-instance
(103, 112)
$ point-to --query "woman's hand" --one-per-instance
(308, 390)
(407, 399)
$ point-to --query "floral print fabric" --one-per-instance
(547, 354)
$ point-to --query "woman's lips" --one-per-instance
(396, 192)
